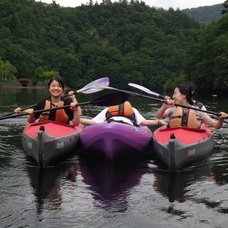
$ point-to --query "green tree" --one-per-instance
(207, 60)
(7, 71)
(125, 40)
(225, 4)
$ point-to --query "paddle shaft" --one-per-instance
(32, 106)
(46, 110)
(105, 100)
(92, 87)
(144, 89)
(163, 101)
(41, 110)
(134, 94)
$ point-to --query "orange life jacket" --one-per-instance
(60, 114)
(124, 109)
(184, 117)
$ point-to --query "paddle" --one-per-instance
(105, 100)
(133, 93)
(92, 87)
(145, 90)
(159, 100)
(180, 105)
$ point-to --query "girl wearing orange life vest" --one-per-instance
(121, 113)
(180, 117)
(56, 87)
(124, 109)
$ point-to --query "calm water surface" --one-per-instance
(82, 193)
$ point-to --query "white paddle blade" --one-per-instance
(94, 86)
(109, 87)
(143, 89)
(90, 90)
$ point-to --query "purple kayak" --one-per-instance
(115, 139)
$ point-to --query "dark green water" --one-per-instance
(80, 193)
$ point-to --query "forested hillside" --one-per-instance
(207, 63)
(125, 41)
(205, 14)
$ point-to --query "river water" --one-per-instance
(132, 193)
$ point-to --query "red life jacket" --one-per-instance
(184, 117)
(124, 109)
(60, 114)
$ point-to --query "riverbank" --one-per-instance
(18, 85)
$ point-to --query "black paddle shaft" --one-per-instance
(162, 100)
(105, 100)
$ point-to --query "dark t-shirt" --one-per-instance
(68, 111)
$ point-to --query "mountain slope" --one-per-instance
(205, 14)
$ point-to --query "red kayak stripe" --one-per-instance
(183, 135)
(54, 129)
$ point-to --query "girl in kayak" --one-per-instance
(56, 88)
(179, 116)
(121, 113)
(193, 88)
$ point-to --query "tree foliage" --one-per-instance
(207, 63)
(205, 14)
(7, 71)
(225, 5)
(126, 41)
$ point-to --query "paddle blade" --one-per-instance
(225, 83)
(143, 89)
(111, 99)
(94, 86)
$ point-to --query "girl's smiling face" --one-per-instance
(179, 97)
(56, 89)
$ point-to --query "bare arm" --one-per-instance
(77, 112)
(218, 124)
(72, 96)
(153, 122)
(30, 112)
(99, 118)
(31, 118)
(161, 111)
(87, 121)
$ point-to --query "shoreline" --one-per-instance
(17, 85)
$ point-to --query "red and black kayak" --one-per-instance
(48, 141)
(181, 146)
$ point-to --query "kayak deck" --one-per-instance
(51, 128)
(181, 146)
(183, 134)
(115, 139)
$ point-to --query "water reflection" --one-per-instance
(11, 98)
(61, 197)
(174, 185)
(111, 182)
(47, 183)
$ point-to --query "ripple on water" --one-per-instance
(69, 196)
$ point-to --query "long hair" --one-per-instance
(187, 89)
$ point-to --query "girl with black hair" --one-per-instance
(56, 87)
(186, 117)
